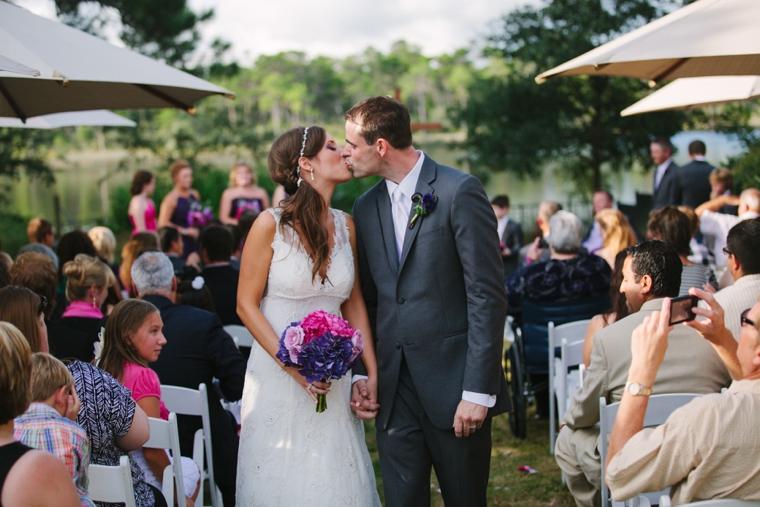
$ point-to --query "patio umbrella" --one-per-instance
(706, 38)
(81, 72)
(72, 119)
(8, 65)
(694, 92)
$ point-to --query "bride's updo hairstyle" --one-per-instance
(304, 207)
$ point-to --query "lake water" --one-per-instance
(84, 197)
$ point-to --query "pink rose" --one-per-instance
(294, 338)
(358, 344)
(319, 322)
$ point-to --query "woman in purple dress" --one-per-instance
(243, 194)
(177, 204)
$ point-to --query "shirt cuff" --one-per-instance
(358, 377)
(486, 400)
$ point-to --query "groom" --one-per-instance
(433, 285)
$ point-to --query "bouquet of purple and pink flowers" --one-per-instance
(323, 346)
(198, 216)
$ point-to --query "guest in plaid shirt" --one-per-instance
(48, 424)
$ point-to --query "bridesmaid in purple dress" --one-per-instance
(176, 206)
(243, 194)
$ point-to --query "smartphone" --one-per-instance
(681, 309)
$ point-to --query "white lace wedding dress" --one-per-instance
(289, 454)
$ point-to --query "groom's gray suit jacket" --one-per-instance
(442, 307)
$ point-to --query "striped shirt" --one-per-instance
(735, 299)
(696, 275)
(43, 428)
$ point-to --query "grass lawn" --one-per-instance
(507, 486)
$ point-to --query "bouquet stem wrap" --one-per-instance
(322, 346)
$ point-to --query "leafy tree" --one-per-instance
(517, 125)
(166, 29)
(23, 150)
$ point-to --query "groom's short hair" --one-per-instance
(382, 117)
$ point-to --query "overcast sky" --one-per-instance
(339, 27)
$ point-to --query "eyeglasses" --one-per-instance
(43, 304)
(725, 251)
(745, 320)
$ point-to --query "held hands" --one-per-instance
(364, 398)
(468, 418)
(649, 343)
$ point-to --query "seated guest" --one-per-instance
(41, 238)
(171, 244)
(115, 425)
(195, 293)
(510, 234)
(221, 278)
(69, 246)
(538, 249)
(140, 243)
(49, 422)
(88, 279)
(593, 239)
(105, 244)
(24, 309)
(245, 223)
(700, 254)
(743, 245)
(197, 351)
(722, 183)
(618, 309)
(652, 271)
(566, 275)
(36, 272)
(706, 449)
(131, 340)
(617, 234)
(716, 224)
(673, 227)
(22, 469)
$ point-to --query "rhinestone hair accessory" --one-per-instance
(303, 147)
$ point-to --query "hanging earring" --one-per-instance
(312, 175)
(94, 303)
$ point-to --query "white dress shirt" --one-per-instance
(502, 226)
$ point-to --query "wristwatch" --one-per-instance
(636, 389)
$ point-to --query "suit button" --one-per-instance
(398, 345)
(401, 301)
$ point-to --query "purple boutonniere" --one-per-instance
(423, 204)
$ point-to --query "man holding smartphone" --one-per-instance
(652, 271)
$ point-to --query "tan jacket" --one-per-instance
(691, 365)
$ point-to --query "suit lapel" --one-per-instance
(385, 217)
(427, 176)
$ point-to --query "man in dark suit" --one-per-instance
(692, 186)
(510, 234)
(221, 278)
(432, 278)
(197, 350)
(664, 175)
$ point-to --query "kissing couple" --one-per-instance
(417, 270)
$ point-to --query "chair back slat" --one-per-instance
(112, 484)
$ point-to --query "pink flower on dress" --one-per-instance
(293, 340)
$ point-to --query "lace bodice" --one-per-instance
(289, 284)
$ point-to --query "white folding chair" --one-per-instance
(184, 401)
(717, 502)
(164, 435)
(572, 332)
(660, 406)
(240, 335)
(112, 484)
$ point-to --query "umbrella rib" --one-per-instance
(161, 95)
(12, 103)
(675, 66)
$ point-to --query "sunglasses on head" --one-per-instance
(745, 320)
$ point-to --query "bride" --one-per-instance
(300, 258)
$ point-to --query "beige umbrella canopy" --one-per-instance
(706, 38)
(695, 92)
(81, 72)
(72, 119)
(8, 65)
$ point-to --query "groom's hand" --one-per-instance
(362, 403)
(469, 418)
